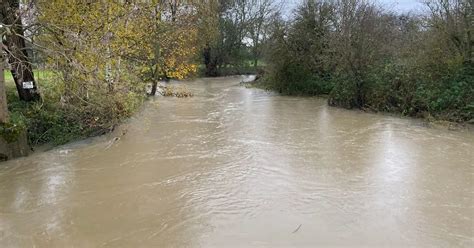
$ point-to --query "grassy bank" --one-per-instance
(52, 122)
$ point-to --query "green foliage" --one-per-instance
(55, 123)
(13, 129)
(453, 98)
(366, 57)
(47, 124)
(296, 79)
(344, 93)
(296, 53)
(411, 91)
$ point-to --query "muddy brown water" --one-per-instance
(238, 167)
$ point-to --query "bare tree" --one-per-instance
(454, 20)
(260, 12)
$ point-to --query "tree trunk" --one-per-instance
(154, 87)
(21, 68)
(207, 59)
(210, 61)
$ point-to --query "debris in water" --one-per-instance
(297, 229)
(112, 142)
(179, 92)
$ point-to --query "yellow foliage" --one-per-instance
(100, 45)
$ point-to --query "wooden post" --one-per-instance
(20, 147)
(5, 151)
(3, 94)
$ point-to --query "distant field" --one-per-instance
(8, 76)
(39, 74)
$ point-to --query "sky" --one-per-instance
(400, 6)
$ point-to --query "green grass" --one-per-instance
(39, 75)
(42, 77)
(8, 76)
(260, 63)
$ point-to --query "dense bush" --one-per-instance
(367, 57)
(295, 79)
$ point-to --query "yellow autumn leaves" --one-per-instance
(99, 44)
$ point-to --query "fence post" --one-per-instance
(3, 95)
(9, 148)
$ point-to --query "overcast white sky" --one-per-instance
(396, 5)
(402, 5)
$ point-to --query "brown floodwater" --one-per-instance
(238, 167)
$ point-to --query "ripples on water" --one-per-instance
(243, 167)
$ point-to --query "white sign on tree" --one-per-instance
(28, 85)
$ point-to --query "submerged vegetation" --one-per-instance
(366, 57)
(179, 92)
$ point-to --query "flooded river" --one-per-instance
(238, 167)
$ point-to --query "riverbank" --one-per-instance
(440, 121)
(54, 122)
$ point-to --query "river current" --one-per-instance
(240, 167)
